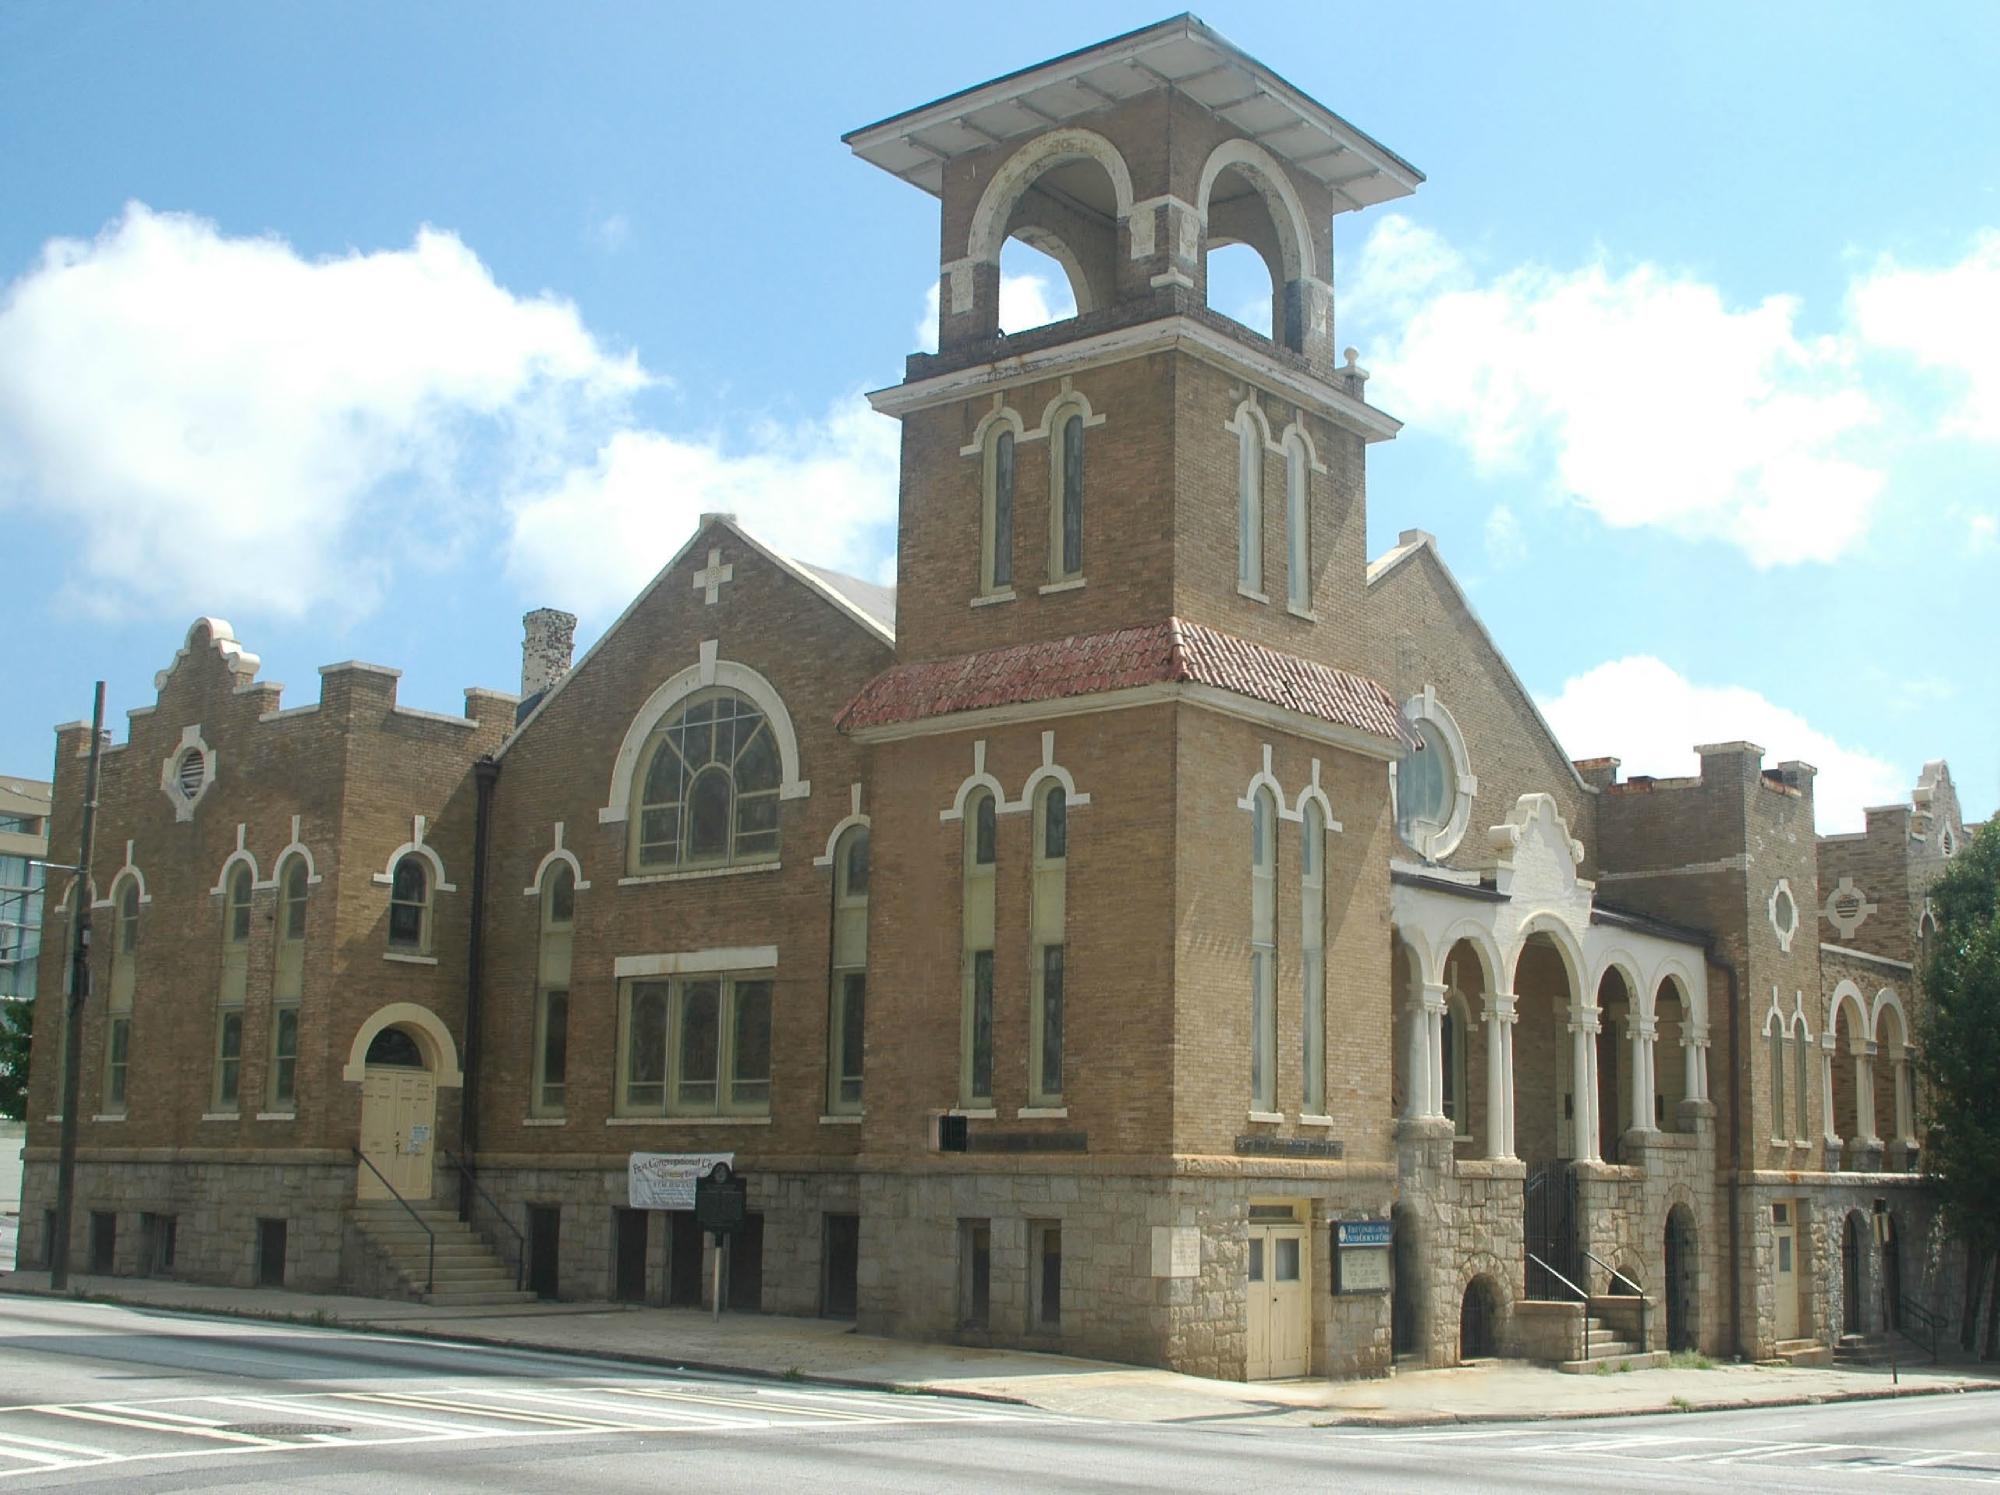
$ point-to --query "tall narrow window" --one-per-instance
(847, 1003)
(1066, 499)
(1045, 939)
(118, 1016)
(1298, 525)
(976, 1026)
(1249, 503)
(1264, 952)
(410, 906)
(1777, 1034)
(288, 986)
(552, 991)
(1802, 1090)
(235, 986)
(1312, 954)
(996, 550)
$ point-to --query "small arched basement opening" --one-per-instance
(1479, 1320)
(1683, 1281)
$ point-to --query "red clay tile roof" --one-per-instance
(1085, 664)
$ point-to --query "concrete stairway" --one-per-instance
(469, 1273)
(1804, 1352)
(1862, 1349)
(1610, 1353)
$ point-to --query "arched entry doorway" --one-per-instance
(1850, 1273)
(1478, 1316)
(1682, 1323)
(402, 1055)
(1403, 1336)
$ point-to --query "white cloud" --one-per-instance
(1505, 544)
(1641, 394)
(611, 233)
(1645, 713)
(821, 490)
(1025, 301)
(226, 424)
(1946, 319)
(1983, 530)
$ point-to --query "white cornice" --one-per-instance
(1170, 333)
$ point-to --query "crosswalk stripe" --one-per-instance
(91, 1414)
(37, 1456)
(692, 1420)
(831, 1414)
(293, 1408)
(75, 1449)
(472, 1409)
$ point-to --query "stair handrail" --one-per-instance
(1909, 1308)
(1581, 1297)
(1638, 1291)
(520, 1241)
(430, 1267)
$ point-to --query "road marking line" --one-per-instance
(831, 1414)
(1781, 1450)
(154, 1409)
(91, 1414)
(692, 1419)
(473, 1409)
(298, 1405)
(45, 1460)
(70, 1448)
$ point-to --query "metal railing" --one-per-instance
(465, 1180)
(430, 1267)
(1638, 1292)
(1581, 1297)
(1908, 1309)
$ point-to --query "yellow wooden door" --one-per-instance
(1277, 1302)
(398, 1116)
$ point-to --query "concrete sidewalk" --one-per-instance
(831, 1352)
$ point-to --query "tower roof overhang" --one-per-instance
(1181, 53)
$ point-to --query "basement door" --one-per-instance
(1784, 1225)
(1277, 1301)
(398, 1114)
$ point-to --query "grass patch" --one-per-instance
(1681, 1404)
(794, 1374)
(1689, 1360)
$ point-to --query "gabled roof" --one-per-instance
(1173, 652)
(1179, 53)
(869, 597)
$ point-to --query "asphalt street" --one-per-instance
(95, 1395)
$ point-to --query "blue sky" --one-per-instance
(368, 327)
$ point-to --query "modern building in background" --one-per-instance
(24, 843)
(1152, 929)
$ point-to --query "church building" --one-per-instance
(1152, 929)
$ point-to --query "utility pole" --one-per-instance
(79, 989)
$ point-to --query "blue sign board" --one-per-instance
(1362, 1233)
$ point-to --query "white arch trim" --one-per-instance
(294, 848)
(1067, 398)
(1249, 413)
(1263, 778)
(1001, 414)
(432, 1037)
(1847, 991)
(1075, 798)
(1886, 1000)
(242, 853)
(1618, 958)
(556, 853)
(1582, 992)
(1297, 431)
(1019, 172)
(415, 846)
(1288, 214)
(1686, 990)
(709, 670)
(1313, 791)
(131, 870)
(979, 778)
(1470, 932)
(842, 826)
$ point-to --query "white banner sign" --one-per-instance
(665, 1180)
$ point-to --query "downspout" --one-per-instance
(1736, 1078)
(485, 774)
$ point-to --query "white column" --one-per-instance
(1864, 1092)
(1434, 1032)
(1690, 1066)
(1498, 1081)
(1507, 1094)
(1642, 1089)
(1827, 1061)
(1417, 1100)
(1583, 1082)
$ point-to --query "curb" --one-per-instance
(1585, 1414)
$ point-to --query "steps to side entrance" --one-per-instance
(1863, 1349)
(1608, 1352)
(1806, 1352)
(468, 1273)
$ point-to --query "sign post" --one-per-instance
(703, 1182)
(719, 1208)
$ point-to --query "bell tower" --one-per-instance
(1149, 457)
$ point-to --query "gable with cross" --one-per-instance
(711, 577)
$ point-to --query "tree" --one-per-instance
(17, 1032)
(1958, 1034)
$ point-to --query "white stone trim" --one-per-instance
(685, 1121)
(842, 826)
(242, 853)
(556, 853)
(432, 1036)
(715, 961)
(1042, 1113)
(979, 778)
(1887, 1000)
(1313, 791)
(292, 848)
(1289, 220)
(1847, 923)
(1846, 991)
(1267, 1117)
(1050, 769)
(1786, 932)
(846, 1118)
(1425, 706)
(1263, 778)
(698, 874)
(1043, 153)
(1297, 427)
(1070, 584)
(1002, 414)
(387, 876)
(129, 869)
(1888, 962)
(988, 599)
(709, 670)
(191, 740)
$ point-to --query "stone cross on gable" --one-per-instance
(711, 577)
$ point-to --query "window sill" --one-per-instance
(1271, 1117)
(110, 1116)
(743, 869)
(845, 1119)
(1307, 1118)
(221, 1116)
(1301, 612)
(409, 960)
(974, 1113)
(687, 1121)
(1071, 585)
(544, 1121)
(277, 1116)
(1243, 591)
(1042, 1113)
(990, 599)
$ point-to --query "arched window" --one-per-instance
(1045, 940)
(410, 906)
(288, 987)
(1298, 525)
(1776, 1032)
(551, 1063)
(1066, 498)
(1312, 954)
(709, 796)
(1249, 503)
(1802, 1090)
(847, 1002)
(235, 987)
(118, 1014)
(996, 528)
(1264, 952)
(976, 1027)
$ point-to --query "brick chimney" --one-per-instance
(547, 638)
